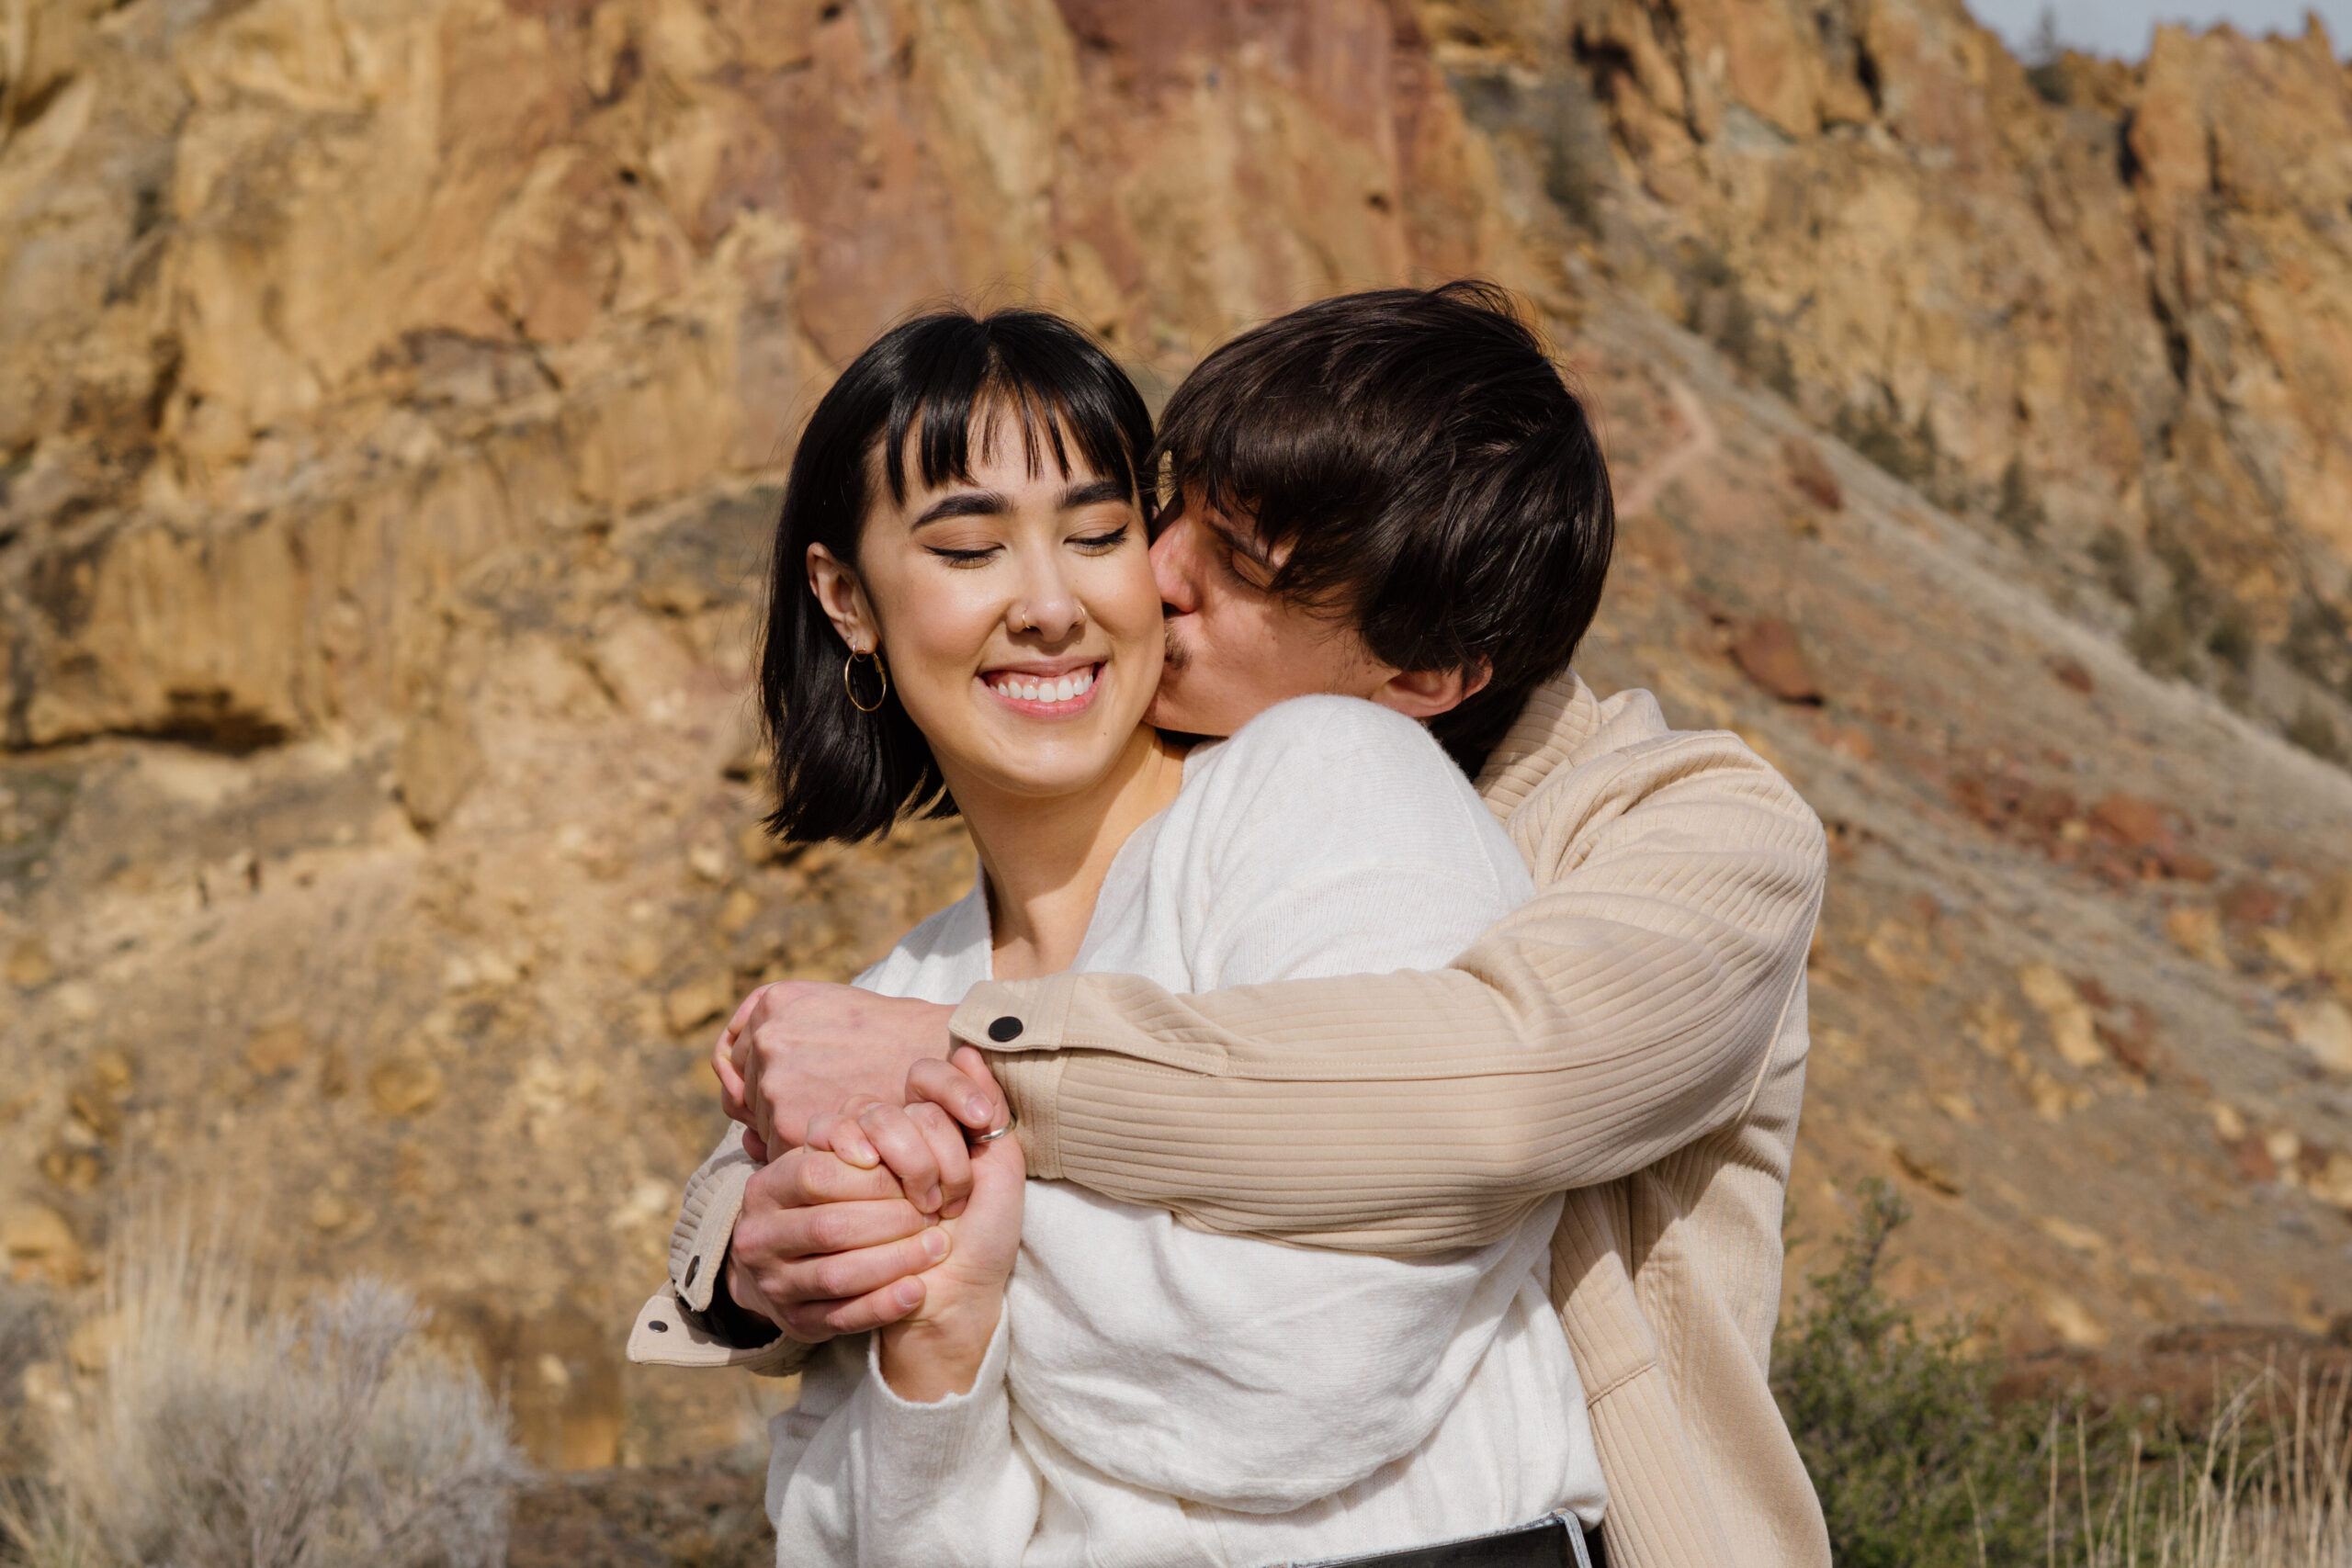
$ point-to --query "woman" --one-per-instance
(964, 618)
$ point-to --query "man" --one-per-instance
(1635, 1037)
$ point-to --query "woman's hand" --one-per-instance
(936, 1351)
(829, 1242)
(922, 1142)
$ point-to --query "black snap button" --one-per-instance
(693, 1268)
(1005, 1029)
(656, 1325)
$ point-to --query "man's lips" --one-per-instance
(1046, 693)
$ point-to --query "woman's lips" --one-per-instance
(1045, 696)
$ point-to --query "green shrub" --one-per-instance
(2319, 643)
(2231, 639)
(1916, 1466)
(2164, 641)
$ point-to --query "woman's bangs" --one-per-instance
(1061, 408)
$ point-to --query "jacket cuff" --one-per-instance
(1020, 1025)
(667, 1333)
(1031, 1087)
(706, 1225)
(1008, 1016)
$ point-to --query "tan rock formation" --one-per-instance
(310, 310)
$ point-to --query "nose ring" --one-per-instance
(1022, 620)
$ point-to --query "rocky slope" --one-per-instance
(393, 397)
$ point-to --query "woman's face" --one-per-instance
(1016, 612)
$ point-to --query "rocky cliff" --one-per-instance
(2106, 308)
(391, 397)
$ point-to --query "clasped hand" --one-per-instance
(883, 1213)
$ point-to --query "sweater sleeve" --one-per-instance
(886, 1482)
(1626, 1012)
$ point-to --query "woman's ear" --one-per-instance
(843, 598)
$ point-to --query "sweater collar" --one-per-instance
(1562, 725)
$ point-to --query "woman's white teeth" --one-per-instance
(1061, 690)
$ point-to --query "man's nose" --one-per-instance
(1174, 567)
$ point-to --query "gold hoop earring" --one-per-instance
(849, 686)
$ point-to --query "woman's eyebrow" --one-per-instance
(963, 503)
(1093, 492)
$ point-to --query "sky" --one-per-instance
(2120, 27)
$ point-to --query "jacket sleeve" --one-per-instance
(677, 1327)
(1628, 1009)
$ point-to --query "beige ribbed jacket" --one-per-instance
(1636, 1035)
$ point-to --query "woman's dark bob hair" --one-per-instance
(962, 381)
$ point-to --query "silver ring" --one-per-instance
(980, 1138)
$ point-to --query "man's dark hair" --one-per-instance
(847, 774)
(1434, 480)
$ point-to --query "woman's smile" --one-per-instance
(1048, 689)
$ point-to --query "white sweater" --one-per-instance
(1159, 1395)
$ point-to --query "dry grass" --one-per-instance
(2269, 1487)
(218, 1433)
(1919, 1466)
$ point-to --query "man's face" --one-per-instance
(1234, 649)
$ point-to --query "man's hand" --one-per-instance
(824, 1247)
(799, 1049)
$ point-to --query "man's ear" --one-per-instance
(1425, 693)
(843, 598)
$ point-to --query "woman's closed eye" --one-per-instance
(1102, 543)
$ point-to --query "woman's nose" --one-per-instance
(1175, 567)
(1047, 605)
